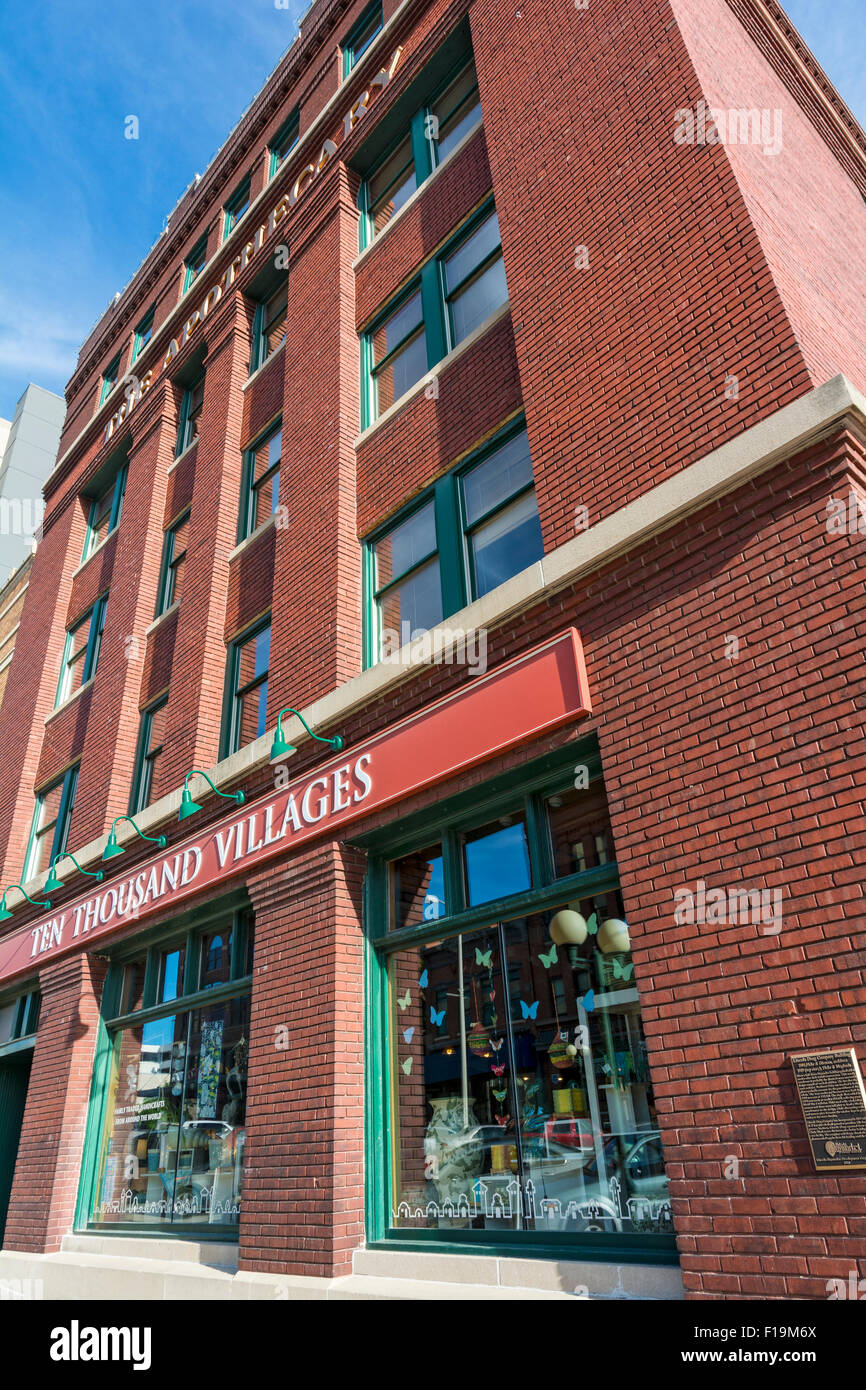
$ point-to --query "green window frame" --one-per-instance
(147, 753)
(174, 548)
(190, 414)
(436, 537)
(81, 651)
(525, 797)
(143, 334)
(135, 995)
(269, 325)
(105, 513)
(51, 830)
(194, 263)
(260, 480)
(242, 685)
(361, 35)
(109, 379)
(283, 143)
(453, 110)
(236, 206)
(470, 263)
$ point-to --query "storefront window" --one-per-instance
(523, 1094)
(519, 1096)
(172, 1146)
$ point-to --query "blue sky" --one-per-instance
(82, 205)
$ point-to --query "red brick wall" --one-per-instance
(48, 1168)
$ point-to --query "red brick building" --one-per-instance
(491, 406)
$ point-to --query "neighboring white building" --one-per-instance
(28, 450)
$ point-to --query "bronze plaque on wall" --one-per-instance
(833, 1101)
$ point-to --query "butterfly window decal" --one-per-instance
(529, 1010)
(437, 1018)
(405, 1000)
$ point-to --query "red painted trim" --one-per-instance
(542, 689)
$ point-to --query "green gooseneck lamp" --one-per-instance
(113, 849)
(5, 913)
(188, 807)
(53, 881)
(281, 747)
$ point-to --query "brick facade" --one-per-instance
(723, 652)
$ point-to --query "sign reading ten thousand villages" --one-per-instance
(833, 1102)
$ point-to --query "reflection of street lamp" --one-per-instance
(568, 928)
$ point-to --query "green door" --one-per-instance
(14, 1076)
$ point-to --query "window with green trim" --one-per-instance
(109, 379)
(19, 1017)
(361, 35)
(260, 488)
(455, 293)
(434, 132)
(143, 334)
(173, 563)
(81, 653)
(49, 836)
(283, 143)
(194, 263)
(269, 326)
(151, 739)
(513, 1081)
(247, 688)
(190, 414)
(105, 513)
(171, 1128)
(475, 528)
(236, 207)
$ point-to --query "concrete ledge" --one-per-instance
(94, 1268)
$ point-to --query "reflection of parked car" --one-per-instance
(570, 1133)
(636, 1162)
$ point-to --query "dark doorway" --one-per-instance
(14, 1078)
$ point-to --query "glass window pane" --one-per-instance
(580, 829)
(457, 110)
(171, 974)
(216, 959)
(471, 252)
(252, 714)
(497, 861)
(451, 132)
(8, 1016)
(454, 1124)
(254, 657)
(506, 544)
(274, 322)
(158, 720)
(401, 372)
(394, 329)
(472, 305)
(267, 455)
(413, 605)
(212, 1132)
(132, 991)
(138, 1158)
(496, 478)
(418, 888)
(406, 545)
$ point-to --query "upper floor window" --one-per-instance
(236, 207)
(454, 293)
(150, 745)
(143, 335)
(173, 564)
(260, 489)
(81, 653)
(434, 131)
(476, 527)
(247, 688)
(269, 330)
(109, 379)
(49, 837)
(195, 263)
(190, 413)
(359, 38)
(105, 513)
(284, 142)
